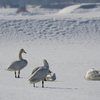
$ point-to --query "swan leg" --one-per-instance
(19, 74)
(34, 85)
(42, 84)
(15, 75)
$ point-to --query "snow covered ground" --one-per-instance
(68, 38)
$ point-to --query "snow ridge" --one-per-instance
(50, 29)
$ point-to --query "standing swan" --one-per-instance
(39, 73)
(19, 64)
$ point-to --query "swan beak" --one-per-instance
(25, 52)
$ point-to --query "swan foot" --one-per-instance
(18, 74)
(42, 84)
(15, 75)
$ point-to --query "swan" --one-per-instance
(39, 73)
(92, 74)
(50, 77)
(18, 65)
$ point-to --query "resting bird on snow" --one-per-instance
(39, 73)
(50, 77)
(18, 65)
(92, 74)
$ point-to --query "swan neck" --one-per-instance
(46, 64)
(20, 56)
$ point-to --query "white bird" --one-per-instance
(50, 77)
(39, 73)
(92, 74)
(18, 65)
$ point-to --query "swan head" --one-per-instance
(22, 51)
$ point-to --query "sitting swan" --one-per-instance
(50, 77)
(39, 73)
(92, 74)
(18, 65)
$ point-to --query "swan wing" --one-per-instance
(35, 70)
(17, 65)
(38, 75)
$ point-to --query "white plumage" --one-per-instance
(39, 73)
(50, 77)
(92, 74)
(18, 65)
